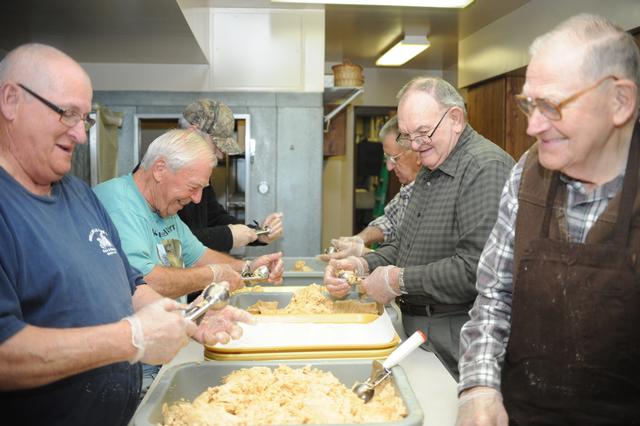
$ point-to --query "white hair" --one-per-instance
(441, 90)
(609, 50)
(179, 148)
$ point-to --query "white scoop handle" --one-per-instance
(404, 349)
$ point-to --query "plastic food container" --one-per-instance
(187, 381)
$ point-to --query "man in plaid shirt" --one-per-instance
(553, 336)
(430, 267)
(405, 164)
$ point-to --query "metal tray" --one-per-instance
(187, 381)
(291, 277)
(283, 296)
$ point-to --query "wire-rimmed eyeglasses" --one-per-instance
(393, 159)
(420, 138)
(553, 110)
(68, 117)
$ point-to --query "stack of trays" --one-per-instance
(308, 336)
(187, 381)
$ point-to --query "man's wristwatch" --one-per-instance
(401, 286)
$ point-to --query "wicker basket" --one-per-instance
(348, 74)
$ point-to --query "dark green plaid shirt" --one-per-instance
(448, 220)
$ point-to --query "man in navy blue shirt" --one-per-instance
(75, 317)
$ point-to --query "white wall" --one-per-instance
(503, 45)
(250, 50)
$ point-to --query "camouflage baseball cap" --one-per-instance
(216, 119)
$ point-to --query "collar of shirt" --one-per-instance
(450, 165)
(580, 194)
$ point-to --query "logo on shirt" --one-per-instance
(100, 236)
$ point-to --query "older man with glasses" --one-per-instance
(553, 337)
(75, 316)
(405, 164)
(430, 268)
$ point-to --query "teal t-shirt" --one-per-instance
(147, 238)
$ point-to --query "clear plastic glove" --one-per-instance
(242, 235)
(275, 264)
(339, 287)
(347, 246)
(159, 331)
(481, 406)
(222, 326)
(224, 272)
(276, 228)
(382, 285)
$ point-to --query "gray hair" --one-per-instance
(391, 126)
(609, 50)
(179, 148)
(441, 90)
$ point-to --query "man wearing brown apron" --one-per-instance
(554, 335)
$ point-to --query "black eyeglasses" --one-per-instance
(550, 109)
(67, 117)
(405, 140)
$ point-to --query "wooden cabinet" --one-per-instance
(493, 113)
(335, 141)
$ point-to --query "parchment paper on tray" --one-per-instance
(270, 333)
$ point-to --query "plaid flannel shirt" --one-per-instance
(483, 339)
(448, 219)
(389, 222)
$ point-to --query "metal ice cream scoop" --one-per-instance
(350, 277)
(214, 296)
(259, 275)
(380, 372)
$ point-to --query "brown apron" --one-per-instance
(573, 356)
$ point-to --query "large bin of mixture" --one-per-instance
(313, 273)
(188, 381)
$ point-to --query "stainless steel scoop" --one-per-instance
(261, 274)
(261, 230)
(330, 250)
(214, 296)
(381, 372)
(350, 277)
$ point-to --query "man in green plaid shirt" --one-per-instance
(430, 268)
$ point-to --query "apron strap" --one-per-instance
(629, 188)
(551, 196)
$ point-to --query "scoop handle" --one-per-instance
(404, 349)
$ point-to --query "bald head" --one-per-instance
(40, 67)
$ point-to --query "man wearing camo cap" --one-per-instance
(216, 120)
(208, 220)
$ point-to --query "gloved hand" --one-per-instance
(222, 326)
(224, 272)
(274, 263)
(347, 246)
(276, 228)
(382, 285)
(242, 235)
(480, 406)
(338, 287)
(159, 331)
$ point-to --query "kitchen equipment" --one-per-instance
(350, 277)
(261, 230)
(330, 250)
(381, 372)
(292, 276)
(214, 296)
(259, 275)
(187, 381)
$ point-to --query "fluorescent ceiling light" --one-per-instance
(403, 51)
(415, 3)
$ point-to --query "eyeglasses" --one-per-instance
(420, 138)
(67, 117)
(393, 159)
(550, 109)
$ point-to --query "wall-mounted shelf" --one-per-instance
(341, 97)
